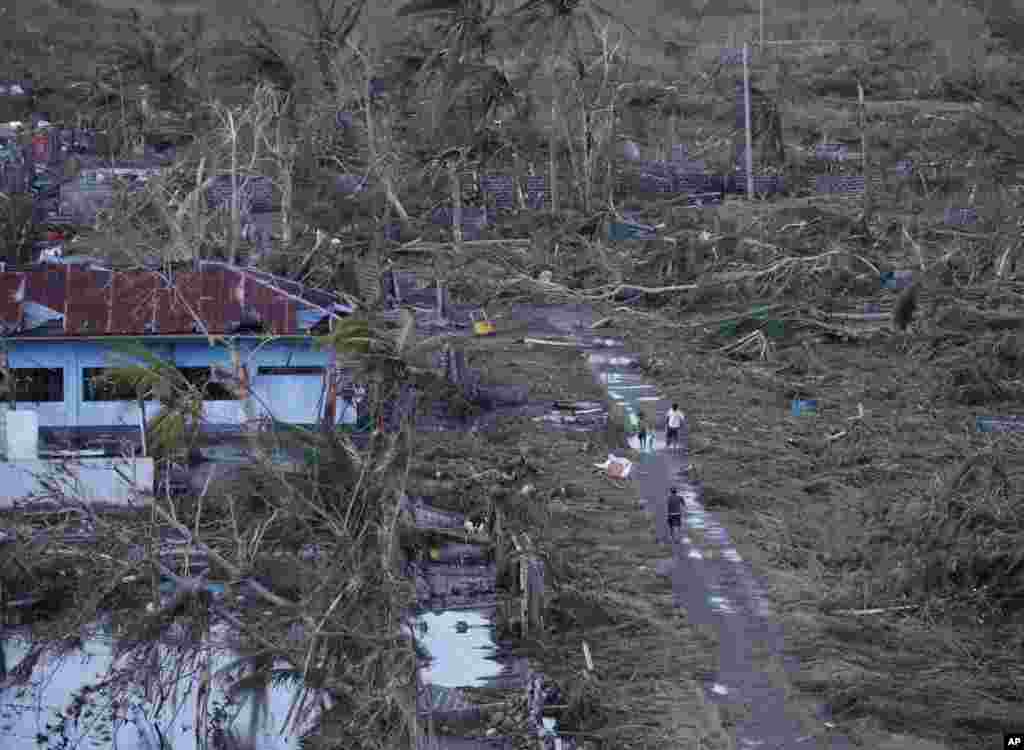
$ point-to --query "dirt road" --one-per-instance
(716, 587)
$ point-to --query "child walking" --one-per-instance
(675, 514)
(642, 431)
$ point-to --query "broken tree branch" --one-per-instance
(876, 611)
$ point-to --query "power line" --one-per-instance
(725, 45)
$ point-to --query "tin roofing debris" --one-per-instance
(15, 88)
(91, 301)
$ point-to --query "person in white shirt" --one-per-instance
(674, 422)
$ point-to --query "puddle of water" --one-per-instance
(651, 398)
(622, 381)
(732, 555)
(550, 729)
(717, 533)
(695, 555)
(25, 711)
(664, 567)
(721, 604)
(578, 406)
(459, 659)
(604, 359)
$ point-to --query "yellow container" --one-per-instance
(482, 326)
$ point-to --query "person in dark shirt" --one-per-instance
(641, 431)
(675, 513)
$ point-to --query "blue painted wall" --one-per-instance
(291, 398)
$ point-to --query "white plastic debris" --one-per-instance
(617, 468)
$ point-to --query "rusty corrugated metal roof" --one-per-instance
(47, 286)
(10, 283)
(98, 302)
(135, 295)
(88, 303)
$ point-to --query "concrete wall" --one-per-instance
(90, 479)
(290, 398)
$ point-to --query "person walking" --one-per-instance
(641, 431)
(673, 423)
(675, 514)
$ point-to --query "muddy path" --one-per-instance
(710, 580)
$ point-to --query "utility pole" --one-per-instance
(746, 107)
(760, 38)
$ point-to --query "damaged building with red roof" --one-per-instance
(58, 322)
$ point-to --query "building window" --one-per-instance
(97, 386)
(38, 384)
(290, 371)
(213, 390)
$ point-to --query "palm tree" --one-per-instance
(175, 430)
(325, 30)
(551, 29)
(550, 33)
(166, 57)
(460, 58)
(259, 56)
(465, 29)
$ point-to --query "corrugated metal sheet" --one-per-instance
(174, 305)
(134, 293)
(9, 285)
(88, 301)
(99, 302)
(219, 304)
(315, 296)
(47, 286)
(276, 311)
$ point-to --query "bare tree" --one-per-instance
(281, 146)
(383, 151)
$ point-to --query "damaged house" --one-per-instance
(59, 320)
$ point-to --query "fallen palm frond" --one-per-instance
(752, 342)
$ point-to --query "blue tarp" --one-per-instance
(618, 231)
(999, 424)
(897, 280)
(804, 406)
